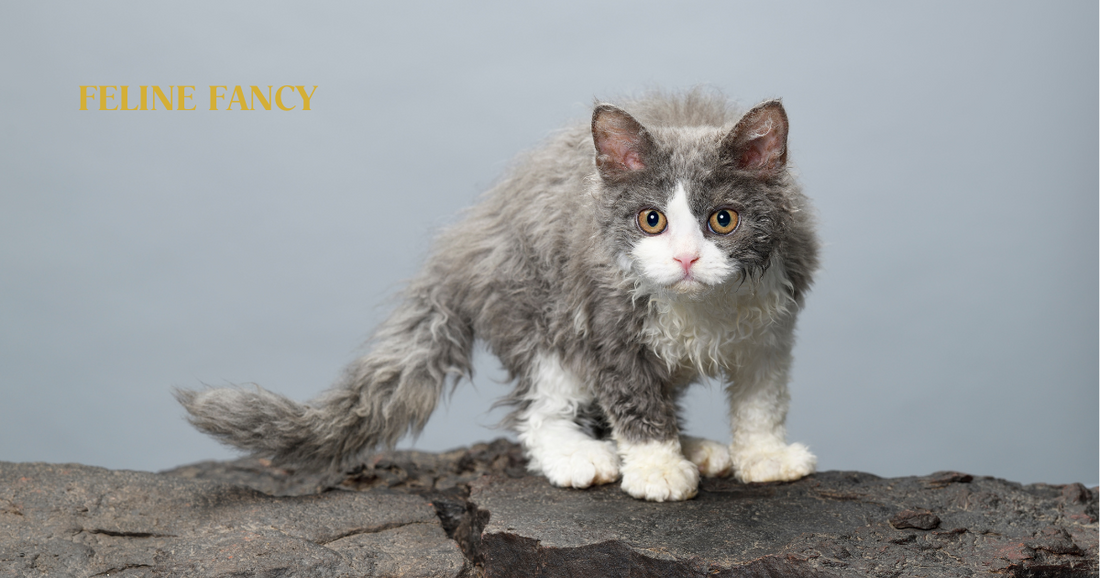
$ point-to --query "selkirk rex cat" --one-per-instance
(609, 270)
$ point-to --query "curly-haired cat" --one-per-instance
(608, 270)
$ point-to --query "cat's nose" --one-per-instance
(686, 261)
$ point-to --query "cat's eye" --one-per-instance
(652, 221)
(723, 221)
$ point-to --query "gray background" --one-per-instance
(951, 150)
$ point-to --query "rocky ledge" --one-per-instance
(475, 512)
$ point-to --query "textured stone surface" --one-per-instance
(475, 512)
(830, 524)
(71, 520)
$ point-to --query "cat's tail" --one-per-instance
(387, 393)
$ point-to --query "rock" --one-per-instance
(72, 520)
(476, 512)
(918, 519)
(828, 524)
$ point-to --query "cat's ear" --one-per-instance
(759, 141)
(622, 144)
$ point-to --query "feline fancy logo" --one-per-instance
(182, 97)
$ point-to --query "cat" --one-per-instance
(612, 267)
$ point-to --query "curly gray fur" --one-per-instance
(532, 269)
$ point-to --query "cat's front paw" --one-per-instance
(776, 463)
(711, 457)
(658, 472)
(582, 465)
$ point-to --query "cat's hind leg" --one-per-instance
(555, 444)
(712, 458)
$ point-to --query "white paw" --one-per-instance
(712, 458)
(658, 472)
(581, 465)
(778, 463)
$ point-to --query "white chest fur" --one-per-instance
(712, 333)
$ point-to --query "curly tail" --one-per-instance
(387, 393)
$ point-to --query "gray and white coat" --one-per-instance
(609, 269)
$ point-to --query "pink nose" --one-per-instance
(686, 261)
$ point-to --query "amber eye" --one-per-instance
(652, 221)
(723, 221)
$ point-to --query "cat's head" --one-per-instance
(691, 208)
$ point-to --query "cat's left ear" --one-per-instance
(759, 141)
(623, 145)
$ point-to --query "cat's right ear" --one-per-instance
(622, 144)
(758, 143)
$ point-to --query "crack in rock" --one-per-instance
(122, 534)
(362, 531)
(122, 569)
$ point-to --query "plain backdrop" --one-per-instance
(950, 149)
